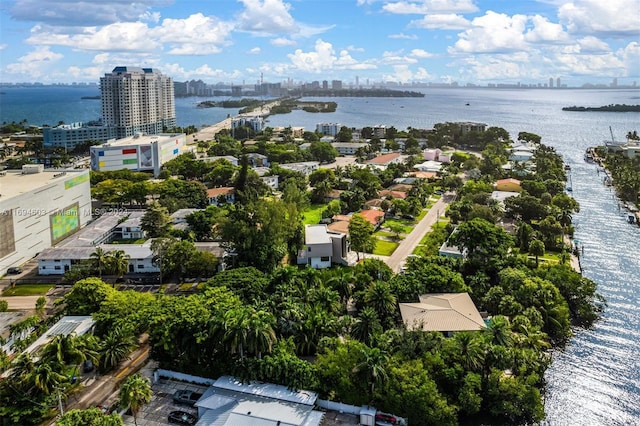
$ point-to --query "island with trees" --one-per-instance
(337, 331)
(605, 108)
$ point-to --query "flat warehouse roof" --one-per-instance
(14, 182)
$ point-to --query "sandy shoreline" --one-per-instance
(208, 133)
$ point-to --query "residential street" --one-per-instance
(411, 241)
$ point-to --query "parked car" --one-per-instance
(408, 216)
(185, 396)
(87, 366)
(14, 270)
(182, 418)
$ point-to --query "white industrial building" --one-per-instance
(39, 208)
(139, 152)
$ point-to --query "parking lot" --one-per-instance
(156, 411)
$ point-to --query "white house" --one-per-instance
(130, 228)
(323, 247)
(348, 148)
(222, 195)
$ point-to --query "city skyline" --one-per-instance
(364, 41)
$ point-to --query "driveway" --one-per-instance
(412, 240)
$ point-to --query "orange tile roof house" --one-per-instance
(445, 312)
(394, 194)
(226, 192)
(375, 217)
(510, 184)
(385, 159)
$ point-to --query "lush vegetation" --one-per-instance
(339, 331)
(625, 172)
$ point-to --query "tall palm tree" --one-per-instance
(62, 350)
(367, 326)
(373, 367)
(134, 393)
(45, 377)
(471, 350)
(499, 331)
(261, 335)
(342, 282)
(119, 263)
(115, 347)
(100, 259)
(234, 326)
(379, 297)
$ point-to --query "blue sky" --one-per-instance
(403, 41)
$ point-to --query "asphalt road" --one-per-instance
(412, 240)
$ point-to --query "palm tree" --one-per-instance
(45, 377)
(373, 367)
(379, 297)
(499, 331)
(134, 393)
(235, 330)
(470, 350)
(62, 350)
(115, 347)
(261, 335)
(100, 259)
(119, 263)
(342, 282)
(367, 326)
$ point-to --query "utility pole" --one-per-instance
(60, 407)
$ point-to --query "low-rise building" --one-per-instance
(130, 228)
(305, 167)
(385, 159)
(509, 185)
(221, 195)
(323, 247)
(349, 148)
(444, 312)
(139, 152)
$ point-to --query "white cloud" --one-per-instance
(36, 63)
(430, 6)
(630, 55)
(492, 33)
(3, 46)
(441, 22)
(281, 41)
(195, 35)
(420, 53)
(544, 31)
(611, 18)
(397, 58)
(404, 36)
(267, 17)
(322, 58)
(591, 44)
(82, 13)
(404, 74)
(254, 51)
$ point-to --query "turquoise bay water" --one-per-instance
(596, 379)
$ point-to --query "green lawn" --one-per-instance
(406, 224)
(313, 214)
(28, 290)
(385, 248)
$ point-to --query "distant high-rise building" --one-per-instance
(336, 84)
(357, 81)
(558, 82)
(137, 100)
(325, 85)
(550, 82)
(134, 100)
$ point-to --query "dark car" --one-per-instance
(408, 216)
(186, 397)
(182, 418)
(87, 366)
(14, 270)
